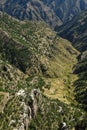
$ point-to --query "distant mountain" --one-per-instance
(76, 31)
(66, 9)
(53, 12)
(34, 10)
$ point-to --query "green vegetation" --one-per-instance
(76, 32)
(81, 83)
(36, 74)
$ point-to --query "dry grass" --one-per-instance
(57, 90)
(4, 100)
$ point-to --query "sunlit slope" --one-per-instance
(35, 48)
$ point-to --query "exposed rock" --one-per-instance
(60, 109)
(30, 107)
(64, 125)
(12, 122)
(35, 101)
(21, 92)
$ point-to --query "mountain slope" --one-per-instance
(31, 55)
(76, 31)
(34, 41)
(34, 10)
(81, 83)
(54, 12)
(37, 50)
(66, 9)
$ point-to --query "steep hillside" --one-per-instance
(37, 50)
(66, 9)
(32, 10)
(81, 83)
(54, 12)
(76, 31)
(34, 48)
(33, 61)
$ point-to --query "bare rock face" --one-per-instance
(35, 102)
(30, 106)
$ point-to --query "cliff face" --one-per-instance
(31, 103)
(53, 12)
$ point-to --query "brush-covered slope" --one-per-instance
(31, 55)
(76, 31)
(37, 50)
(34, 48)
(81, 83)
(54, 12)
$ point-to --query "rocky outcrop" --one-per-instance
(35, 101)
(31, 106)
